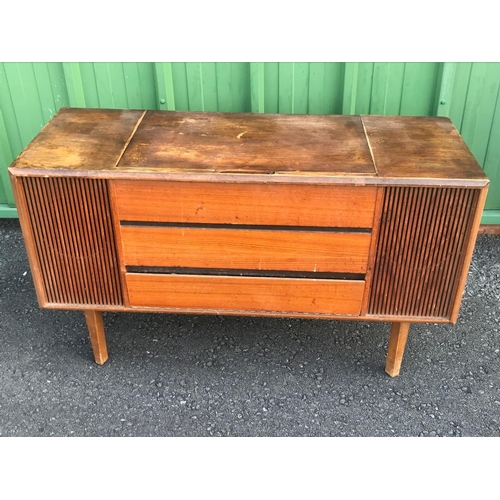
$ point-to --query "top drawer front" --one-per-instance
(253, 204)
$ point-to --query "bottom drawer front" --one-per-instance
(234, 293)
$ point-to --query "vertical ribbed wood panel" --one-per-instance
(421, 241)
(74, 241)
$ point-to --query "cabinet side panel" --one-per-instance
(421, 242)
(74, 239)
(29, 241)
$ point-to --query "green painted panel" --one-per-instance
(74, 84)
(164, 91)
(118, 85)
(224, 87)
(393, 88)
(140, 85)
(88, 85)
(475, 111)
(271, 81)
(300, 98)
(30, 94)
(491, 217)
(491, 163)
(25, 99)
(480, 107)
(444, 94)
(420, 84)
(194, 79)
(350, 74)
(394, 93)
(30, 98)
(380, 88)
(208, 84)
(10, 119)
(257, 87)
(233, 87)
(324, 86)
(7, 212)
(3, 196)
(459, 96)
(180, 83)
(286, 87)
(362, 91)
(110, 86)
(6, 157)
(49, 79)
(300, 88)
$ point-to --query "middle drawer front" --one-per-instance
(188, 247)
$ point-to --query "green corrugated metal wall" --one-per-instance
(30, 94)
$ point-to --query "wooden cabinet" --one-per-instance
(336, 217)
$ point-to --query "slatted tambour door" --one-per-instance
(421, 241)
(72, 230)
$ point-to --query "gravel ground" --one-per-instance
(185, 375)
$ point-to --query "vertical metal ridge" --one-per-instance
(420, 247)
(74, 240)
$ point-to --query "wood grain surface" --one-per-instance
(223, 293)
(80, 139)
(245, 249)
(249, 142)
(270, 204)
(252, 147)
(419, 147)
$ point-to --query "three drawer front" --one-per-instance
(245, 247)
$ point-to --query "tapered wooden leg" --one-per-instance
(97, 337)
(397, 342)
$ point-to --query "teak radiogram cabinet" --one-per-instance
(317, 216)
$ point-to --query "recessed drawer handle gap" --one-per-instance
(244, 272)
(307, 229)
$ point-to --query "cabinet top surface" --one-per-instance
(263, 147)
